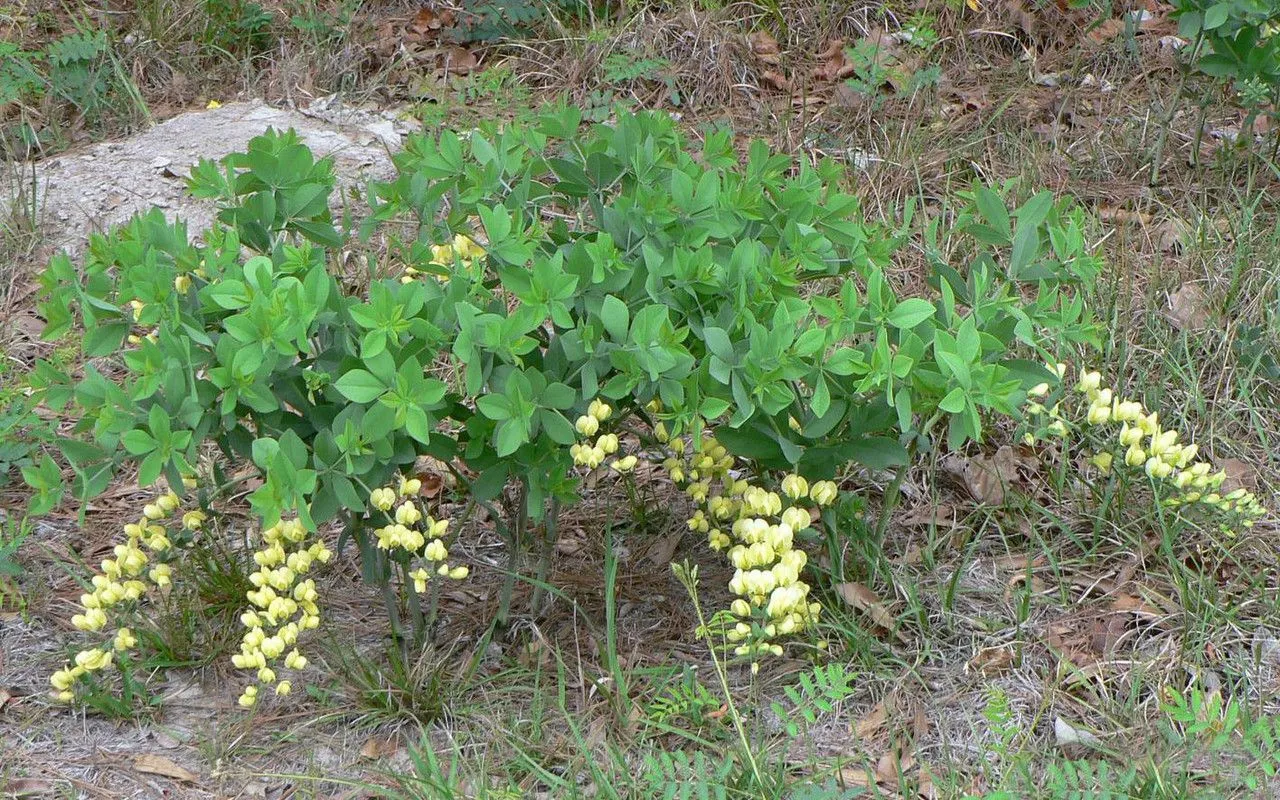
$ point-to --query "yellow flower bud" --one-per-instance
(94, 659)
(459, 572)
(283, 688)
(600, 410)
(1102, 461)
(624, 464)
(382, 499)
(823, 492)
(795, 487)
(407, 513)
(125, 640)
(436, 551)
(587, 425)
(1089, 382)
(1135, 456)
(410, 486)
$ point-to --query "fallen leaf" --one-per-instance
(1064, 733)
(1240, 475)
(380, 746)
(6, 697)
(872, 722)
(1188, 308)
(893, 764)
(458, 61)
(854, 777)
(765, 48)
(835, 65)
(775, 79)
(1020, 562)
(160, 765)
(425, 21)
(939, 515)
(1135, 605)
(865, 600)
(27, 787)
(987, 478)
(662, 550)
(1123, 216)
(1105, 32)
(991, 661)
(1171, 235)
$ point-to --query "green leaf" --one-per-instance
(953, 403)
(494, 406)
(1217, 16)
(558, 428)
(138, 442)
(616, 318)
(360, 386)
(878, 452)
(910, 313)
(718, 343)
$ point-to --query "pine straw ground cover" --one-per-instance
(1006, 627)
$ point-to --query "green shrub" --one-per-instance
(1240, 45)
(617, 265)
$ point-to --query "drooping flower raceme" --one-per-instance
(1134, 437)
(139, 564)
(283, 606)
(756, 528)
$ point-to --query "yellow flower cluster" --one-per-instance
(284, 605)
(1142, 442)
(757, 528)
(414, 532)
(463, 249)
(125, 579)
(137, 306)
(591, 454)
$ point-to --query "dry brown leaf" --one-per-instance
(458, 60)
(765, 48)
(987, 478)
(854, 777)
(892, 764)
(775, 79)
(835, 65)
(1020, 562)
(662, 550)
(1123, 216)
(1127, 603)
(425, 22)
(28, 787)
(1240, 475)
(865, 600)
(991, 661)
(380, 746)
(1188, 308)
(160, 765)
(1105, 32)
(941, 515)
(872, 722)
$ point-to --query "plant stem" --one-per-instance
(415, 607)
(1163, 137)
(691, 585)
(545, 551)
(515, 538)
